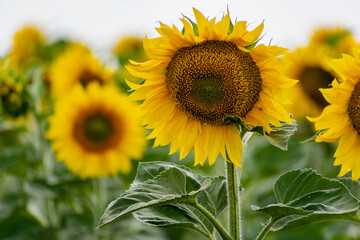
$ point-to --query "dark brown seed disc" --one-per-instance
(212, 80)
(354, 107)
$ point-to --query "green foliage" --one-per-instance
(22, 225)
(279, 136)
(49, 52)
(167, 195)
(305, 197)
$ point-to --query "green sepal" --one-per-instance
(279, 136)
(231, 28)
(312, 138)
(194, 26)
(253, 45)
(240, 124)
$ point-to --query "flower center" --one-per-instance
(212, 80)
(313, 78)
(354, 108)
(87, 77)
(97, 128)
(97, 131)
(207, 90)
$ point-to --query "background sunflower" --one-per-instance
(96, 131)
(26, 43)
(76, 65)
(310, 66)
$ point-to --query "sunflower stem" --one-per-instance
(99, 193)
(233, 200)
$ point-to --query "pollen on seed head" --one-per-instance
(212, 80)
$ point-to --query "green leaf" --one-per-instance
(280, 136)
(279, 211)
(305, 197)
(214, 198)
(162, 195)
(176, 215)
(353, 186)
(169, 187)
(151, 170)
(209, 198)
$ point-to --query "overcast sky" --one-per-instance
(100, 23)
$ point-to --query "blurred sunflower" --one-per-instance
(26, 42)
(341, 119)
(96, 131)
(309, 66)
(197, 78)
(336, 40)
(130, 48)
(76, 65)
(14, 99)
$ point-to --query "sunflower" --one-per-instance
(130, 48)
(26, 42)
(309, 66)
(341, 119)
(336, 40)
(76, 65)
(96, 131)
(197, 78)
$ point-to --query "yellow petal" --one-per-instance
(234, 145)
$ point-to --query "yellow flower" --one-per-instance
(197, 78)
(96, 131)
(341, 119)
(25, 44)
(309, 66)
(76, 65)
(335, 40)
(130, 48)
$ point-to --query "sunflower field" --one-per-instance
(205, 131)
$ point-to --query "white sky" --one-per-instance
(100, 23)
